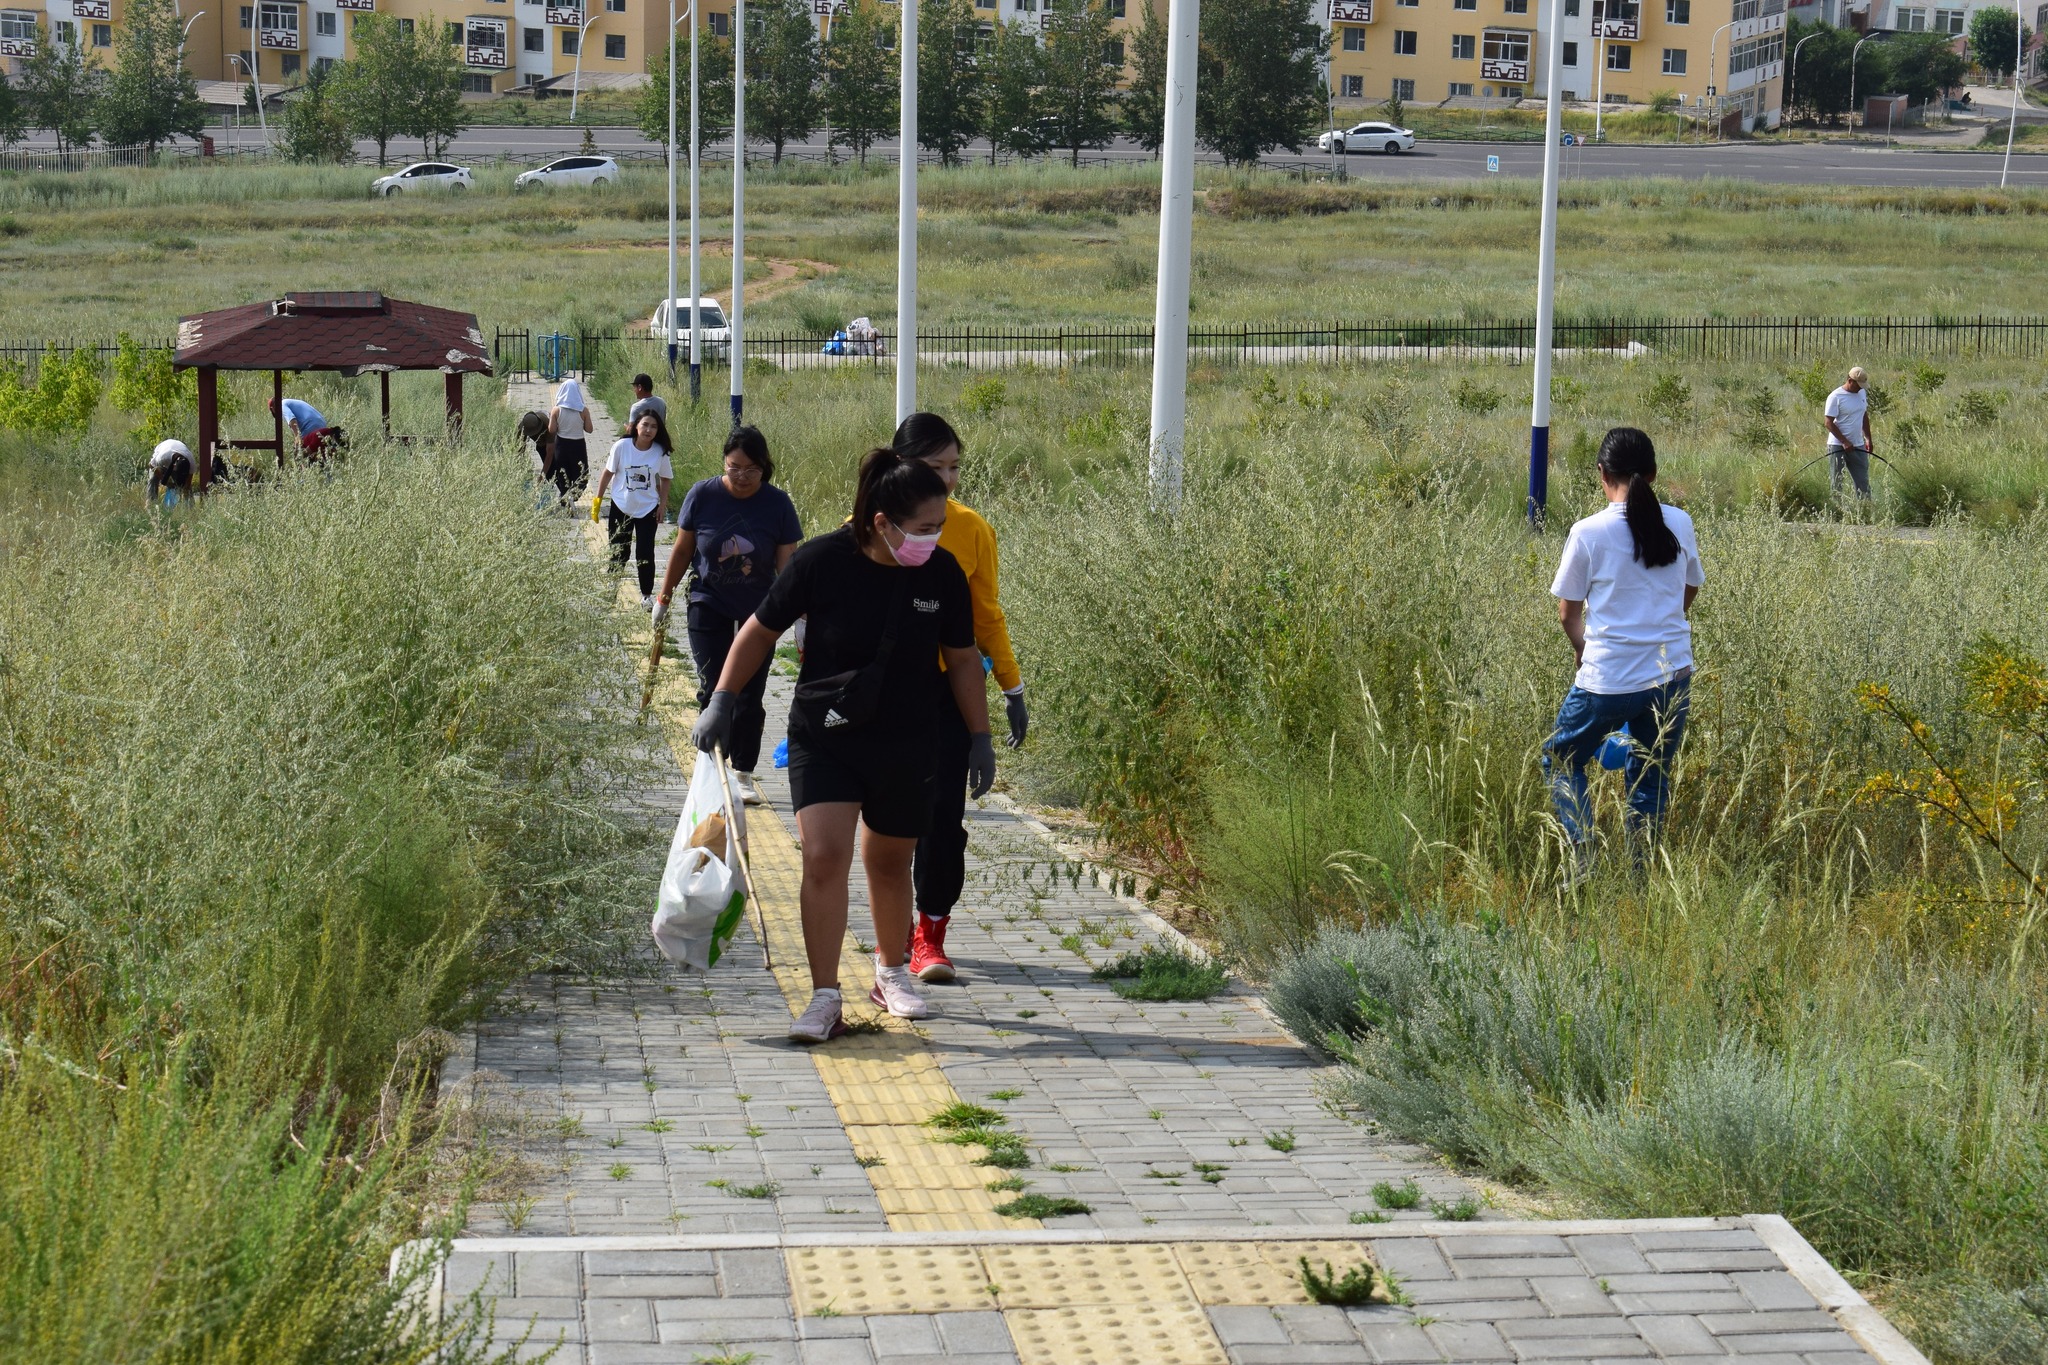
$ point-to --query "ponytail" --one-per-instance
(893, 486)
(1626, 455)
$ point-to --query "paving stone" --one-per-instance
(973, 1333)
(1474, 1341)
(1786, 1320)
(1315, 1322)
(619, 1319)
(1248, 1325)
(1396, 1343)
(896, 1335)
(1321, 1353)
(1677, 1335)
(1772, 1289)
(836, 1351)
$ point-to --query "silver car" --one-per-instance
(1368, 137)
(422, 175)
(571, 170)
(712, 327)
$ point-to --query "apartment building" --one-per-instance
(1721, 53)
(505, 43)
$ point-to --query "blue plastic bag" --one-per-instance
(1615, 750)
(782, 754)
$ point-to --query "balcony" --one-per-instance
(278, 39)
(92, 9)
(566, 16)
(483, 44)
(17, 47)
(1350, 11)
(1500, 69)
(364, 5)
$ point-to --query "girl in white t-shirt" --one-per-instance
(1625, 588)
(637, 474)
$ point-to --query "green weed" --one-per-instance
(1042, 1206)
(1161, 973)
(1352, 1289)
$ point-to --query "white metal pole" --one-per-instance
(1176, 240)
(906, 219)
(670, 298)
(1546, 275)
(2019, 33)
(739, 204)
(696, 262)
(582, 36)
(1599, 81)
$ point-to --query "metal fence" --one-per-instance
(1773, 339)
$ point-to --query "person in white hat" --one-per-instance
(1848, 422)
(170, 473)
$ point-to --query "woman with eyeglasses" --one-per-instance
(885, 604)
(735, 532)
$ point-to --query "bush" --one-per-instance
(1161, 973)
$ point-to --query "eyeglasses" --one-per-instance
(743, 471)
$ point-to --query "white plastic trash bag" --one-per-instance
(701, 901)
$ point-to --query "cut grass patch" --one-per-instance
(1042, 1206)
(1161, 973)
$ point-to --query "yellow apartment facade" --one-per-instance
(1729, 53)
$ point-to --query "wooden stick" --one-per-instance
(739, 854)
(653, 664)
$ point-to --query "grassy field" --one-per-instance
(89, 255)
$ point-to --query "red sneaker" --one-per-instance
(928, 960)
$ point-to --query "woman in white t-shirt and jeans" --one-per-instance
(1625, 587)
(637, 474)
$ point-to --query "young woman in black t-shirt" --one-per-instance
(883, 603)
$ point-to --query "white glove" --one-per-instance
(660, 613)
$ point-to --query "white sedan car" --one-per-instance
(1368, 137)
(424, 175)
(572, 170)
(711, 326)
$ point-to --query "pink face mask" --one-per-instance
(914, 550)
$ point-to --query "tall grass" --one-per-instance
(289, 784)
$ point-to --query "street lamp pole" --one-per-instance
(1714, 71)
(1168, 440)
(669, 299)
(906, 217)
(255, 80)
(2019, 57)
(1793, 72)
(739, 197)
(196, 17)
(696, 262)
(577, 94)
(1546, 272)
(1852, 73)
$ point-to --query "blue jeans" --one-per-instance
(1655, 720)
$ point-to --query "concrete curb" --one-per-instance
(1834, 1293)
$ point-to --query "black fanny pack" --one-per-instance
(850, 700)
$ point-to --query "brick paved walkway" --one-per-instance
(701, 1190)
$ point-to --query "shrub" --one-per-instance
(1161, 973)
(1479, 399)
(1669, 397)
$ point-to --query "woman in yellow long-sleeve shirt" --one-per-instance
(941, 865)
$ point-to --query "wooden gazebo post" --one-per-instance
(277, 412)
(453, 386)
(209, 421)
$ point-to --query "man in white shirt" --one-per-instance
(1848, 422)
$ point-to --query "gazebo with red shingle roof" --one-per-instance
(351, 333)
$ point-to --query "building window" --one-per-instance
(1677, 11)
(477, 83)
(1571, 54)
(1461, 90)
(615, 47)
(1354, 38)
(615, 6)
(1619, 57)
(886, 40)
(248, 15)
(572, 42)
(1404, 42)
(1404, 89)
(324, 25)
(1515, 6)
(1463, 47)
(1511, 92)
(1571, 9)
(1674, 61)
(323, 65)
(1465, 4)
(1912, 20)
(533, 39)
(1116, 9)
(1353, 87)
(288, 64)
(1113, 53)
(1949, 21)
(721, 25)
(405, 26)
(67, 33)
(452, 32)
(102, 35)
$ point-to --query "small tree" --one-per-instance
(60, 90)
(1820, 82)
(949, 77)
(150, 97)
(315, 129)
(714, 92)
(860, 79)
(372, 89)
(1921, 66)
(1016, 71)
(1997, 42)
(1261, 86)
(1144, 104)
(1394, 111)
(783, 69)
(1079, 95)
(13, 116)
(435, 60)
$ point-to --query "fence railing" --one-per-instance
(1325, 343)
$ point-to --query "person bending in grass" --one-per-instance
(941, 866)
(637, 474)
(1625, 589)
(884, 604)
(735, 532)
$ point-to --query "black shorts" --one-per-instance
(890, 782)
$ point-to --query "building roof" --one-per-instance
(592, 81)
(356, 332)
(235, 94)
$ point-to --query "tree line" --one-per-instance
(1024, 91)
(1825, 75)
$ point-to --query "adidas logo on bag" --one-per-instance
(833, 718)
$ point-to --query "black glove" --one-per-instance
(1020, 719)
(715, 723)
(981, 764)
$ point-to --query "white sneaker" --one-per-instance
(647, 602)
(894, 992)
(820, 1022)
(749, 793)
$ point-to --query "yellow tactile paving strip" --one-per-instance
(883, 1084)
(888, 1280)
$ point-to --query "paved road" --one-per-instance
(1827, 164)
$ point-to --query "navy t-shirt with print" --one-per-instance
(736, 543)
